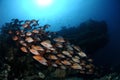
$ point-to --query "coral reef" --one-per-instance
(111, 76)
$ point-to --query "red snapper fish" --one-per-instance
(51, 51)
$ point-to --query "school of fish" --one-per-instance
(48, 49)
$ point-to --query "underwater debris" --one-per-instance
(52, 51)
